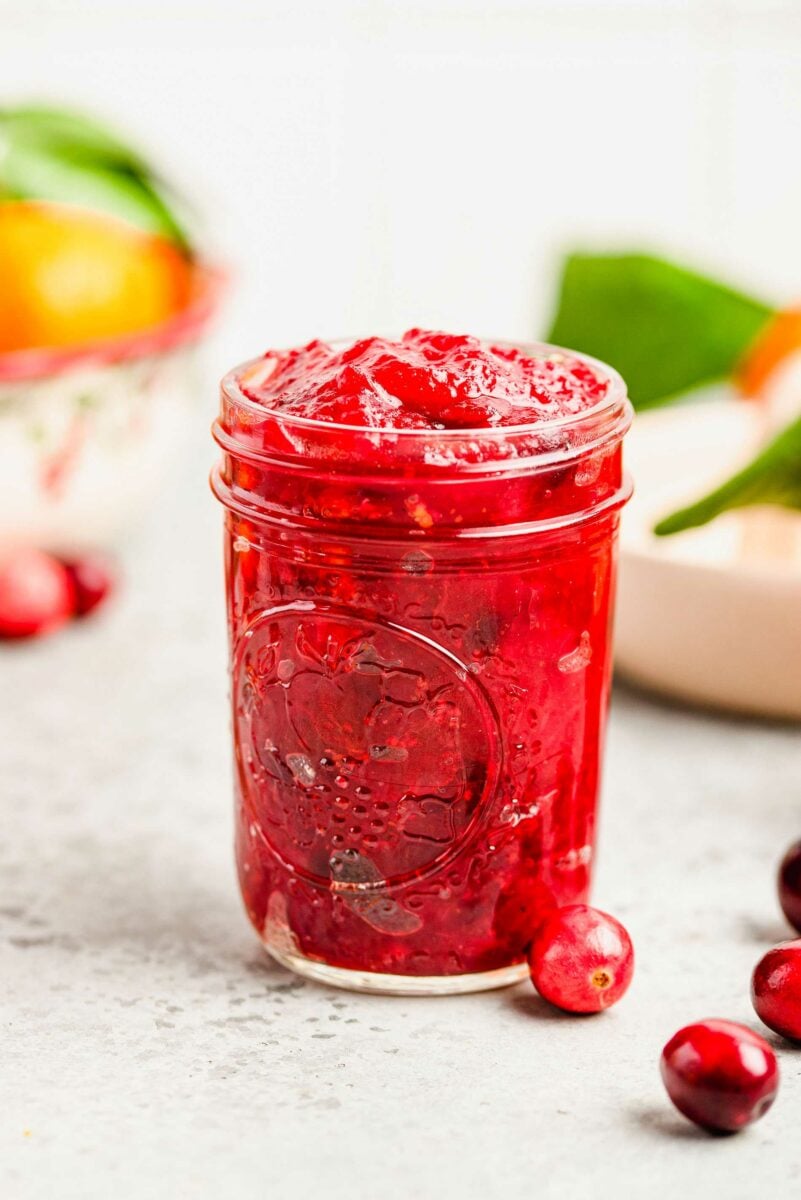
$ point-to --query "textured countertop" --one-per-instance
(152, 1050)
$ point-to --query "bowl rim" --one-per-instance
(778, 577)
(183, 327)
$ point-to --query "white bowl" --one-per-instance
(88, 434)
(713, 615)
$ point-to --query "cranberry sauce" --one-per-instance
(420, 545)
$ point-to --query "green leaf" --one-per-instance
(64, 157)
(29, 173)
(773, 477)
(666, 329)
(63, 131)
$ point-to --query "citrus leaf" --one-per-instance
(33, 174)
(64, 157)
(66, 132)
(666, 329)
(773, 477)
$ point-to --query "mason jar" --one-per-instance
(420, 625)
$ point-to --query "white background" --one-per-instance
(368, 166)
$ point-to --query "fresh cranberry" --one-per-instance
(720, 1075)
(581, 959)
(522, 907)
(36, 594)
(790, 885)
(93, 580)
(776, 989)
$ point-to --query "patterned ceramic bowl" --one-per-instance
(86, 434)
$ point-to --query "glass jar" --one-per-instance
(420, 662)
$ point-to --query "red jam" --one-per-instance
(420, 561)
(424, 381)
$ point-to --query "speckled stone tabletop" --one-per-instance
(152, 1050)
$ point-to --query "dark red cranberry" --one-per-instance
(521, 908)
(790, 885)
(581, 959)
(720, 1075)
(776, 989)
(93, 580)
(36, 594)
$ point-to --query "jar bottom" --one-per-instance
(397, 985)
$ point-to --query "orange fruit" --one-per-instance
(780, 338)
(70, 276)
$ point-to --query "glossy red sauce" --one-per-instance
(420, 645)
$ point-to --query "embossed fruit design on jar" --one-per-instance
(420, 552)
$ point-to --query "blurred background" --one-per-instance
(358, 167)
(372, 165)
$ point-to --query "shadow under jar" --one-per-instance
(420, 628)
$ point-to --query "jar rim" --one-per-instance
(615, 400)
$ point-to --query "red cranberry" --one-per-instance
(36, 594)
(776, 989)
(581, 959)
(93, 580)
(721, 1075)
(790, 885)
(521, 908)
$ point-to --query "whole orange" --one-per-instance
(69, 276)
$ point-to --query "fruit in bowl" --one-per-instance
(104, 302)
(73, 277)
